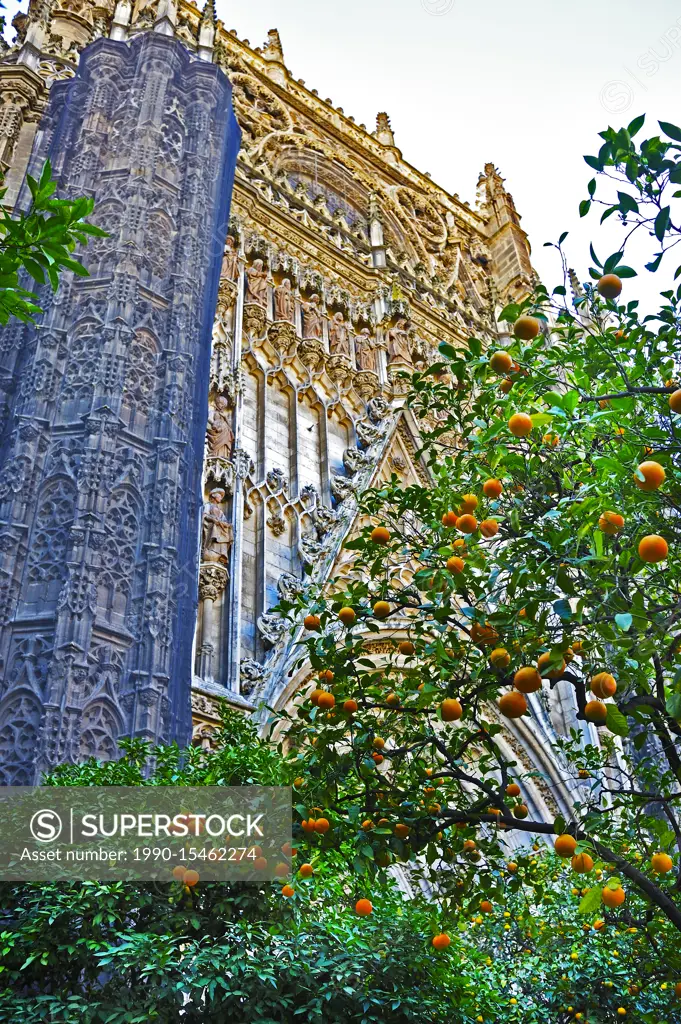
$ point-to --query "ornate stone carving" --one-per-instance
(366, 384)
(399, 344)
(368, 433)
(313, 318)
(252, 675)
(339, 369)
(220, 435)
(339, 336)
(289, 586)
(355, 459)
(218, 533)
(255, 320)
(311, 353)
(230, 260)
(275, 520)
(212, 581)
(283, 337)
(283, 301)
(272, 628)
(256, 284)
(377, 409)
(342, 488)
(276, 480)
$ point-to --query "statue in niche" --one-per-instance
(283, 301)
(230, 260)
(399, 350)
(220, 434)
(256, 284)
(218, 533)
(339, 336)
(365, 351)
(312, 318)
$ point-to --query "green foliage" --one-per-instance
(41, 242)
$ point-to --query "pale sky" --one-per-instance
(527, 85)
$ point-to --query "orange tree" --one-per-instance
(544, 549)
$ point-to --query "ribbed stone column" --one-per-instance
(104, 408)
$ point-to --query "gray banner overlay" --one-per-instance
(148, 833)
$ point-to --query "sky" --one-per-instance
(526, 85)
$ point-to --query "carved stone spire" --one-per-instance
(207, 31)
(273, 50)
(384, 133)
(376, 232)
(166, 18)
(121, 20)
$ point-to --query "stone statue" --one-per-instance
(312, 318)
(399, 350)
(283, 301)
(230, 260)
(218, 533)
(365, 351)
(256, 284)
(220, 434)
(339, 337)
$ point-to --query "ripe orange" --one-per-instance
(347, 616)
(565, 845)
(308, 825)
(350, 706)
(662, 863)
(486, 907)
(527, 679)
(611, 523)
(603, 685)
(311, 622)
(555, 673)
(483, 634)
(449, 519)
(456, 564)
(613, 898)
(326, 675)
(406, 647)
(520, 424)
(489, 528)
(469, 503)
(378, 742)
(526, 328)
(468, 845)
(596, 712)
(179, 872)
(492, 488)
(441, 941)
(466, 523)
(598, 925)
(322, 825)
(512, 867)
(392, 700)
(306, 871)
(401, 830)
(451, 710)
(582, 863)
(653, 548)
(381, 609)
(505, 386)
(326, 700)
(378, 758)
(500, 657)
(513, 704)
(500, 362)
(521, 811)
(191, 877)
(363, 908)
(380, 535)
(609, 286)
(653, 474)
(677, 990)
(513, 789)
(260, 864)
(287, 891)
(675, 401)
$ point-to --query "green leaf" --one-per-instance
(671, 130)
(563, 610)
(559, 825)
(624, 621)
(634, 127)
(541, 419)
(673, 705)
(616, 722)
(584, 207)
(662, 223)
(591, 901)
(447, 350)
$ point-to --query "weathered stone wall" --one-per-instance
(104, 411)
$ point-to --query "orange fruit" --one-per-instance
(653, 548)
(363, 908)
(260, 864)
(582, 863)
(350, 706)
(500, 657)
(311, 622)
(381, 609)
(179, 872)
(347, 616)
(603, 685)
(654, 476)
(526, 328)
(596, 712)
(287, 891)
(406, 647)
(492, 488)
(555, 673)
(486, 907)
(677, 990)
(456, 564)
(513, 789)
(512, 867)
(610, 523)
(401, 830)
(466, 523)
(191, 877)
(326, 700)
(613, 898)
(314, 696)
(326, 675)
(307, 825)
(483, 634)
(378, 758)
(469, 503)
(322, 825)
(609, 286)
(306, 871)
(521, 811)
(451, 710)
(500, 362)
(449, 519)
(441, 941)
(378, 742)
(527, 679)
(662, 863)
(520, 424)
(598, 925)
(380, 535)
(513, 704)
(551, 439)
(505, 386)
(489, 528)
(392, 700)
(565, 845)
(468, 845)
(675, 401)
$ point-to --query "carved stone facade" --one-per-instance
(104, 405)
